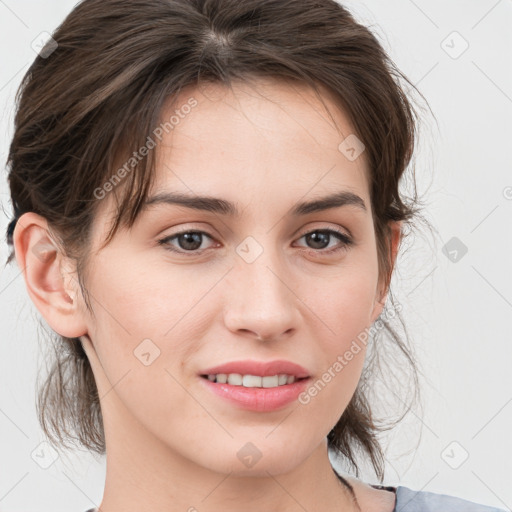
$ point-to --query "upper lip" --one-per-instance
(260, 368)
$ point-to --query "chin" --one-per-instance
(249, 461)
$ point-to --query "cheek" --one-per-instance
(137, 303)
(345, 302)
(146, 323)
(341, 307)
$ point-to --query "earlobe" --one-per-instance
(46, 271)
(377, 308)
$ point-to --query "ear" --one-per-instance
(384, 282)
(48, 276)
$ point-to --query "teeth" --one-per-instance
(271, 382)
(252, 381)
(235, 379)
(222, 378)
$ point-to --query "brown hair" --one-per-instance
(88, 103)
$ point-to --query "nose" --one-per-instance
(260, 301)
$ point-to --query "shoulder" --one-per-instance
(373, 498)
(369, 498)
(408, 500)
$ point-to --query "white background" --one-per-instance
(458, 313)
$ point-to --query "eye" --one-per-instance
(320, 240)
(188, 241)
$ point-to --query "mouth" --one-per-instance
(256, 393)
(253, 373)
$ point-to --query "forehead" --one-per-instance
(272, 108)
(257, 132)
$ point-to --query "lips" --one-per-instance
(261, 368)
(256, 398)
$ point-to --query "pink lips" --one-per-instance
(263, 369)
(258, 399)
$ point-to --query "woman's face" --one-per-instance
(268, 283)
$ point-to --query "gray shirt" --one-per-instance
(408, 500)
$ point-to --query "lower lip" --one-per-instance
(258, 399)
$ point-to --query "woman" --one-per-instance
(207, 211)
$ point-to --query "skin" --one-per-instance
(172, 444)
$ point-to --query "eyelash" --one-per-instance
(345, 240)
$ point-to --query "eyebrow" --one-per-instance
(223, 207)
